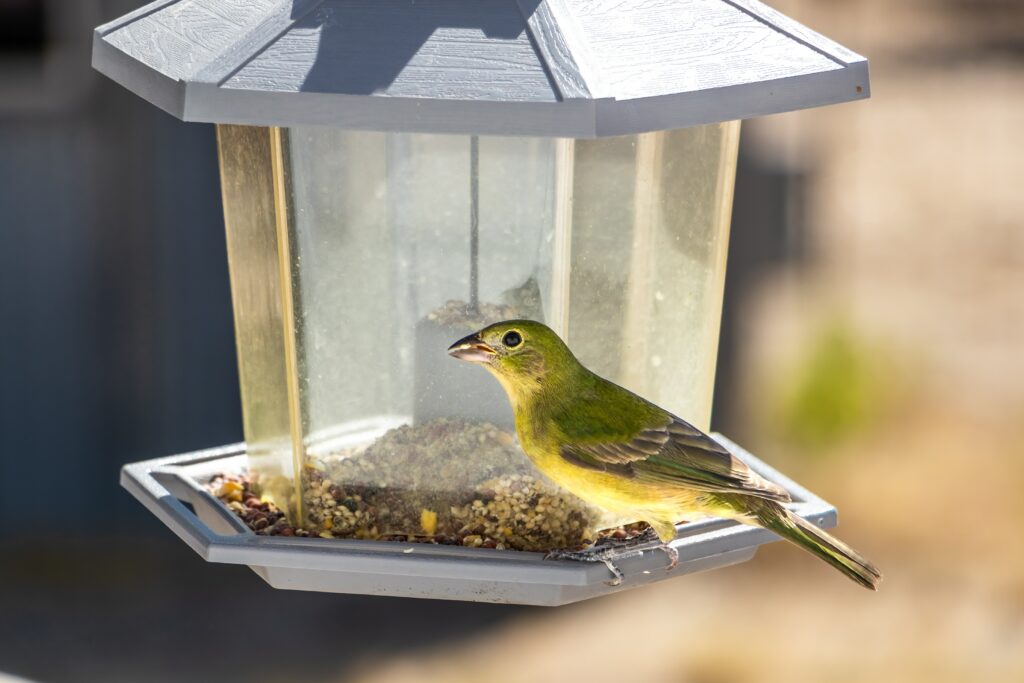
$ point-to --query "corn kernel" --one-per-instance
(428, 520)
(229, 487)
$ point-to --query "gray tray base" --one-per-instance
(166, 485)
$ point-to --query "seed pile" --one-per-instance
(242, 498)
(446, 481)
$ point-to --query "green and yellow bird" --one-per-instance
(626, 455)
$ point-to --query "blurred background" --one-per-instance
(873, 348)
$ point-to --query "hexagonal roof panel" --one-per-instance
(568, 68)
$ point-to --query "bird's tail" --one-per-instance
(776, 518)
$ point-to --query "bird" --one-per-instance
(626, 455)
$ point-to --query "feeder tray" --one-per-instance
(173, 489)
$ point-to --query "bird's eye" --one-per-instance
(512, 339)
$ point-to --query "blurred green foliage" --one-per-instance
(837, 390)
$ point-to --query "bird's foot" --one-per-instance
(595, 554)
(673, 556)
(608, 549)
(647, 540)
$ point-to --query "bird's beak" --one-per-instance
(472, 349)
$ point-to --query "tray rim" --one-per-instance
(164, 485)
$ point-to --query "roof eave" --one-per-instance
(569, 118)
(666, 112)
(147, 83)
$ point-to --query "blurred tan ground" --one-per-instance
(916, 222)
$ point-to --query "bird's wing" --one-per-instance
(675, 453)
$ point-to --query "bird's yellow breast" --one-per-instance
(614, 493)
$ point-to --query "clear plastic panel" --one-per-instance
(247, 186)
(391, 246)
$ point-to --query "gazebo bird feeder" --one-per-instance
(396, 173)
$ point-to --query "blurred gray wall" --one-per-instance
(115, 321)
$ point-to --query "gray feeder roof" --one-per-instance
(572, 68)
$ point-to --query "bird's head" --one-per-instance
(520, 353)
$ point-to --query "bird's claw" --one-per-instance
(607, 550)
(649, 536)
(617, 575)
(594, 554)
(673, 556)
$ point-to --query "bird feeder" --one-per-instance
(398, 173)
